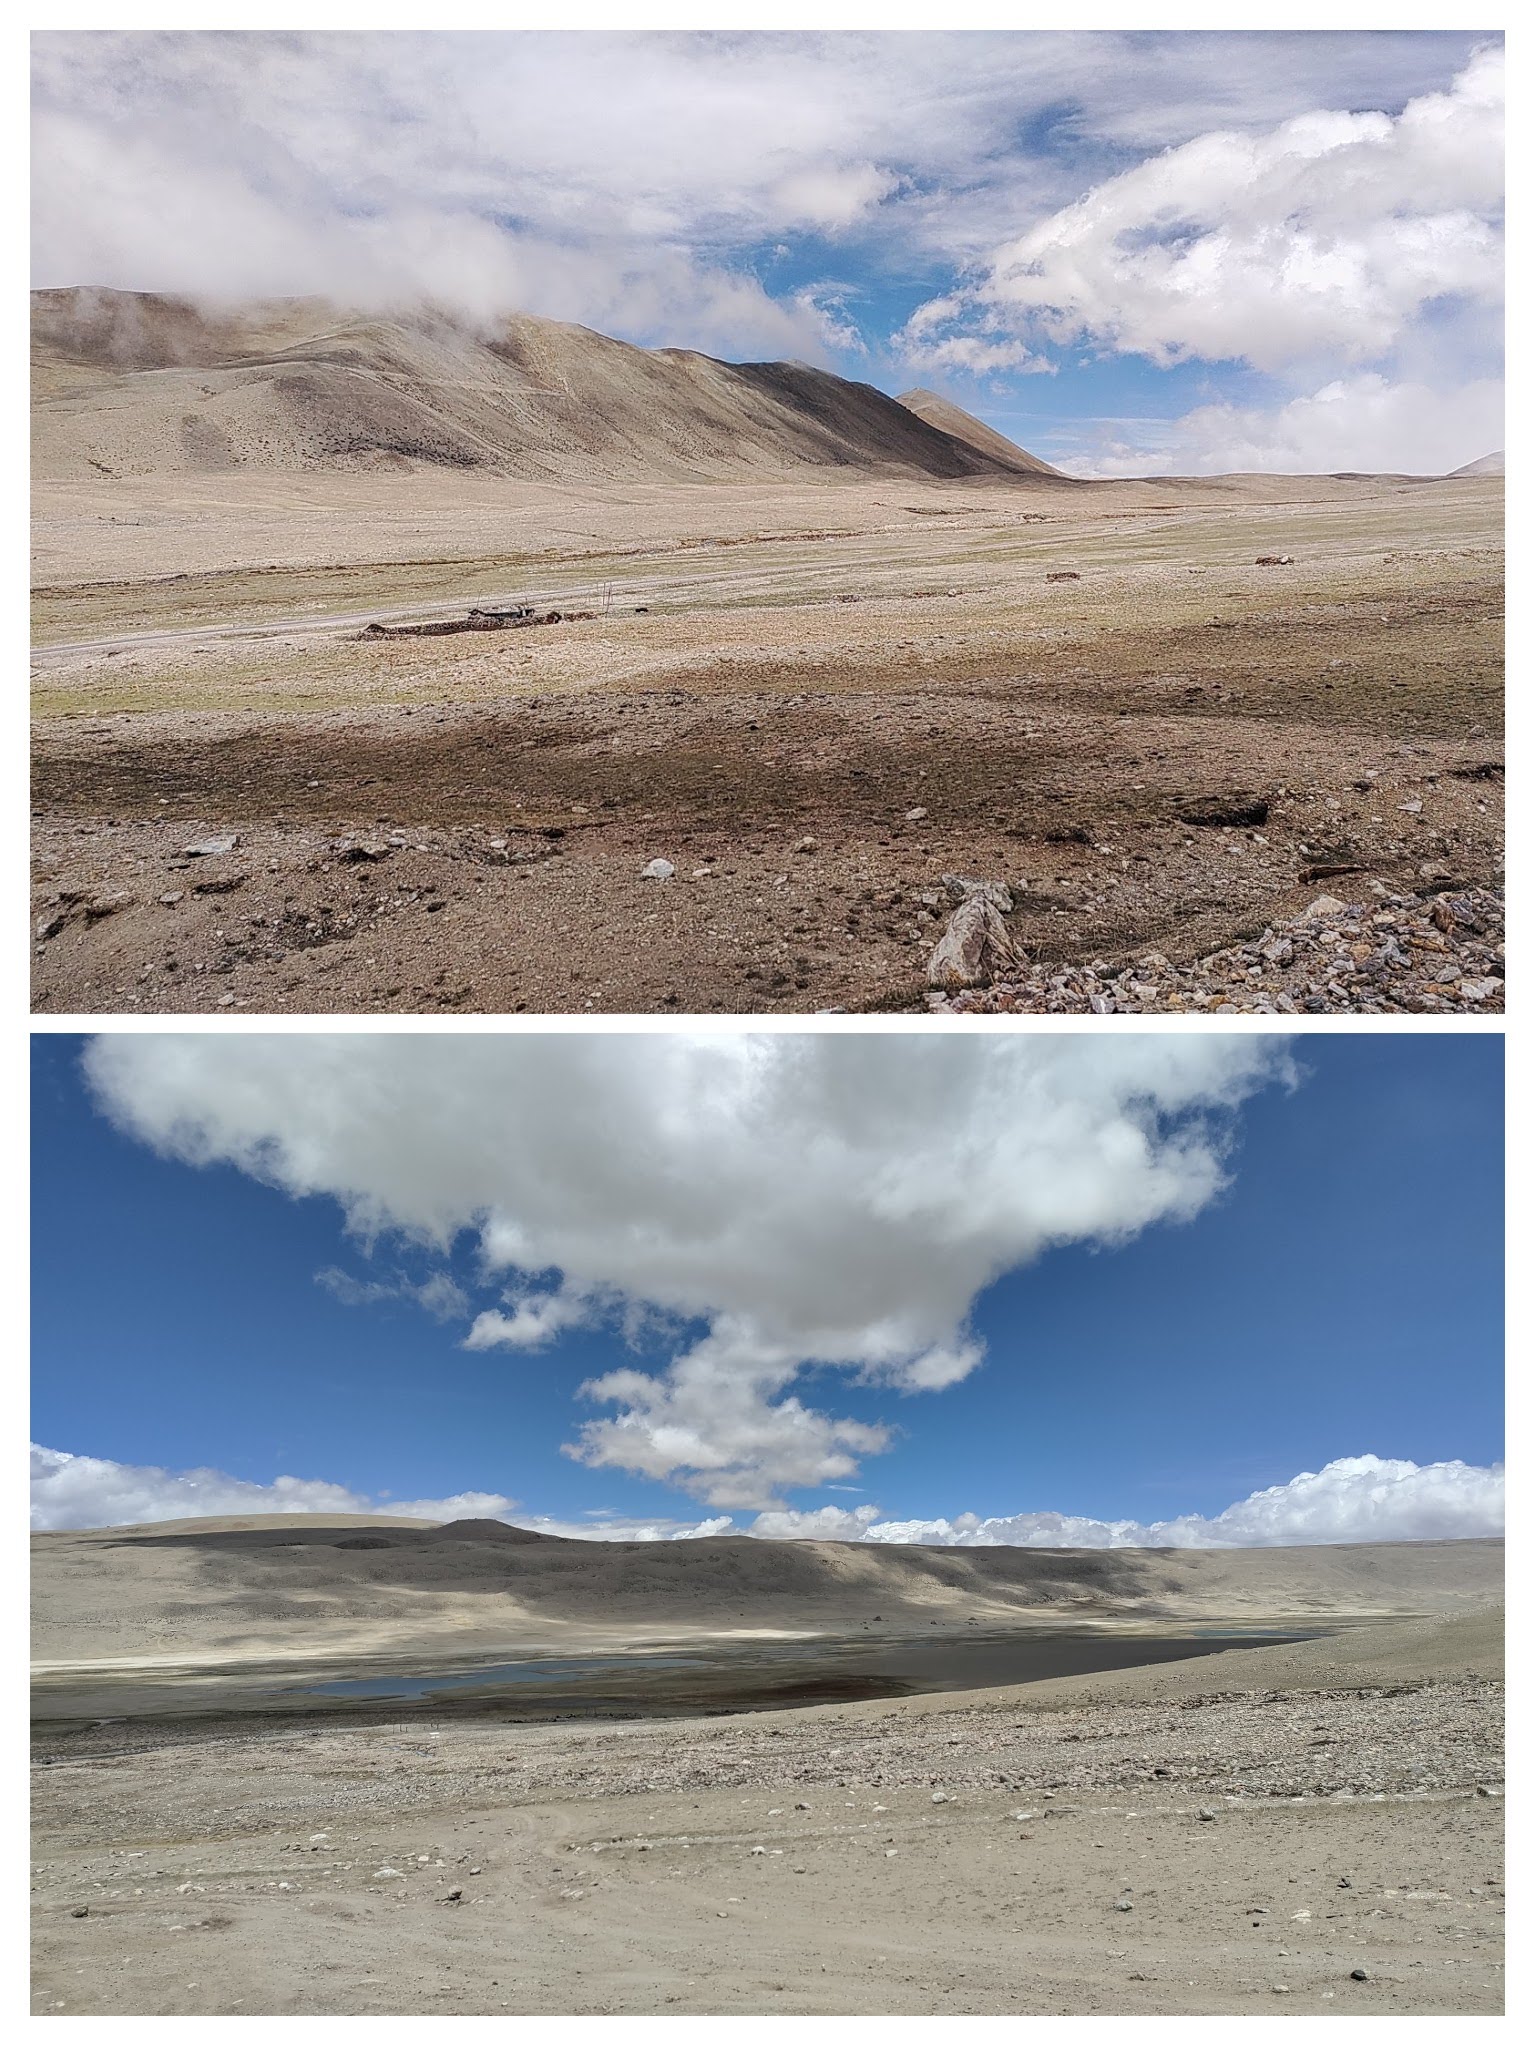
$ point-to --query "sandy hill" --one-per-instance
(277, 1586)
(960, 425)
(137, 384)
(1485, 465)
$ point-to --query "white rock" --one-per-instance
(974, 949)
(209, 848)
(915, 816)
(658, 870)
(1323, 906)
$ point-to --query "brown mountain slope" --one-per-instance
(960, 425)
(134, 384)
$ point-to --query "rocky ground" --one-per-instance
(1175, 751)
(1144, 1842)
(1432, 954)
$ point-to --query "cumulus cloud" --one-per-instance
(1363, 423)
(633, 181)
(1353, 1499)
(93, 1491)
(1325, 238)
(789, 1202)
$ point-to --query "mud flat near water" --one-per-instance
(814, 652)
(1309, 1826)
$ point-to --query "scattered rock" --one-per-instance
(658, 870)
(1063, 575)
(1124, 1904)
(976, 947)
(1392, 954)
(211, 848)
(1207, 1812)
(808, 845)
(1358, 1974)
(1275, 561)
(915, 816)
(81, 1911)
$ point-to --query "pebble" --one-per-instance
(1394, 954)
(658, 870)
(210, 848)
(1358, 1974)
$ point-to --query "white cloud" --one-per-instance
(534, 1322)
(1354, 1499)
(632, 181)
(1365, 423)
(92, 1491)
(811, 1201)
(819, 1524)
(1326, 238)
(439, 1294)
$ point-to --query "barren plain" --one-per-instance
(812, 683)
(1310, 1827)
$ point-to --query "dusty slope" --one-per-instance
(1485, 465)
(961, 425)
(133, 384)
(212, 1591)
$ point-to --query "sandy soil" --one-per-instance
(1304, 1829)
(813, 698)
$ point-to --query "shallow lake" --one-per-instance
(729, 1678)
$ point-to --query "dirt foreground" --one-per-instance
(1314, 1828)
(811, 702)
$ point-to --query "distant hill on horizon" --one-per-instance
(961, 425)
(139, 383)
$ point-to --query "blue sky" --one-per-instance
(1133, 251)
(1188, 1344)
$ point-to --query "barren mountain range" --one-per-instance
(133, 384)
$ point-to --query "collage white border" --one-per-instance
(15, 974)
